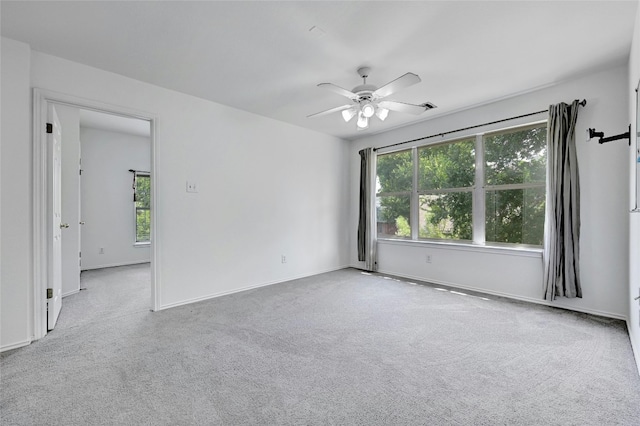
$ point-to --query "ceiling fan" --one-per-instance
(367, 100)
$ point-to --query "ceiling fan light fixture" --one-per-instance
(348, 114)
(368, 100)
(367, 109)
(363, 121)
(382, 113)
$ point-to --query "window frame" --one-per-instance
(478, 190)
(407, 193)
(136, 242)
(512, 186)
(460, 189)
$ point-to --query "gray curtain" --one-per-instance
(367, 232)
(562, 217)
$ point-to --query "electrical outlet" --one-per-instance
(101, 250)
(192, 187)
(284, 259)
(428, 258)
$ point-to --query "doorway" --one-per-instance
(108, 129)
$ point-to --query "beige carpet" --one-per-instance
(338, 348)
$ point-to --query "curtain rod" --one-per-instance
(581, 103)
(138, 171)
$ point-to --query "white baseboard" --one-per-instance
(635, 346)
(507, 295)
(70, 293)
(250, 287)
(113, 265)
(15, 345)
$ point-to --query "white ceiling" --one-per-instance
(262, 57)
(114, 123)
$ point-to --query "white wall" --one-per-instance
(70, 122)
(604, 203)
(15, 226)
(634, 218)
(107, 197)
(266, 188)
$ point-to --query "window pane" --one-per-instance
(143, 193)
(143, 204)
(395, 172)
(515, 216)
(393, 216)
(516, 156)
(446, 216)
(143, 222)
(450, 165)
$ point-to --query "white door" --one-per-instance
(80, 211)
(54, 143)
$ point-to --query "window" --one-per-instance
(446, 174)
(485, 188)
(142, 201)
(393, 199)
(515, 174)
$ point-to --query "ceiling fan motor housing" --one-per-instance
(364, 90)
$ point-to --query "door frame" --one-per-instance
(41, 176)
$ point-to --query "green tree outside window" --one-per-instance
(143, 208)
(394, 182)
(446, 174)
(511, 194)
(515, 174)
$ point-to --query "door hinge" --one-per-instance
(49, 128)
(80, 172)
(49, 293)
(79, 254)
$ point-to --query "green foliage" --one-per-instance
(395, 172)
(395, 175)
(516, 215)
(516, 157)
(402, 227)
(447, 216)
(450, 165)
(143, 205)
(512, 215)
(393, 207)
(143, 225)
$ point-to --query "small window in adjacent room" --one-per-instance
(142, 201)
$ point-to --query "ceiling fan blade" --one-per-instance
(339, 90)
(402, 107)
(409, 79)
(329, 111)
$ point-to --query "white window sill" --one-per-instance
(142, 244)
(511, 250)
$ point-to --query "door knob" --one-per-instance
(82, 223)
(64, 225)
